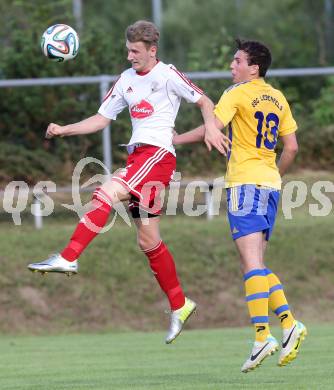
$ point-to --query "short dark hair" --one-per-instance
(143, 31)
(257, 53)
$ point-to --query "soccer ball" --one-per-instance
(60, 43)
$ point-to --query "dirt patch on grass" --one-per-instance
(34, 298)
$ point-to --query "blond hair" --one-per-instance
(143, 31)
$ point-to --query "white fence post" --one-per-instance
(209, 203)
(107, 158)
(37, 212)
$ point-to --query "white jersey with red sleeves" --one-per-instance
(153, 99)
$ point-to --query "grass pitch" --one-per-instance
(205, 359)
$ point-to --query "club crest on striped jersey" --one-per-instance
(142, 110)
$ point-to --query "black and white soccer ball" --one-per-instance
(60, 43)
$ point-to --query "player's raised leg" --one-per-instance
(294, 332)
(163, 267)
(87, 229)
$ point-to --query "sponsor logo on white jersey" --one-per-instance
(142, 110)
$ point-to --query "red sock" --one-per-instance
(163, 267)
(89, 226)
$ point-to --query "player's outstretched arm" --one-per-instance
(90, 125)
(213, 136)
(192, 136)
(290, 149)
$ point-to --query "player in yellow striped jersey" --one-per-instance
(255, 115)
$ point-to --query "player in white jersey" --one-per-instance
(152, 90)
(153, 99)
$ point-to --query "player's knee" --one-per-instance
(109, 195)
(146, 243)
(243, 267)
(101, 200)
(115, 191)
(143, 243)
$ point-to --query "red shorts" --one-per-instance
(149, 170)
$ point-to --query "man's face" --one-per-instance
(240, 69)
(141, 58)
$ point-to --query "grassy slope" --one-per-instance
(115, 288)
(201, 360)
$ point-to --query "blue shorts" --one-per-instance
(252, 209)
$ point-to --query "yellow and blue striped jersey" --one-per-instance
(256, 114)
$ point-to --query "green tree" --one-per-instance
(26, 112)
(196, 36)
